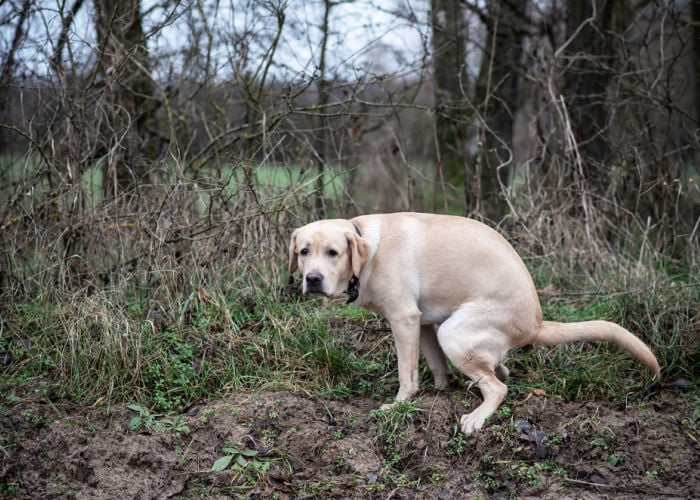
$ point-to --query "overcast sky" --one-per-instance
(365, 36)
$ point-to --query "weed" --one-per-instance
(207, 414)
(159, 422)
(268, 437)
(607, 441)
(436, 477)
(403, 481)
(489, 481)
(32, 416)
(171, 373)
(392, 428)
(504, 411)
(392, 432)
(253, 465)
(529, 473)
(374, 485)
(240, 459)
(9, 489)
(695, 416)
(353, 419)
(457, 443)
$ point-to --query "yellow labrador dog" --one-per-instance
(421, 271)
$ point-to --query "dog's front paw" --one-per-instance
(471, 422)
(387, 406)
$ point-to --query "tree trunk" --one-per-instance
(8, 66)
(322, 126)
(696, 58)
(128, 127)
(591, 60)
(497, 94)
(453, 116)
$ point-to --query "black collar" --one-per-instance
(352, 290)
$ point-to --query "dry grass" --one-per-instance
(172, 294)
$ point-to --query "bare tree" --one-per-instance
(696, 58)
(498, 90)
(128, 124)
(10, 58)
(323, 88)
(592, 28)
(613, 50)
(597, 106)
(450, 88)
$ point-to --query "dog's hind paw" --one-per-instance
(470, 423)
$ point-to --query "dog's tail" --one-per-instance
(554, 333)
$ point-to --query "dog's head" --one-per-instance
(328, 254)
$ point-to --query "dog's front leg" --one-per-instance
(406, 330)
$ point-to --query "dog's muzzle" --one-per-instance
(313, 283)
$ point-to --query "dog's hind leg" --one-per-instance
(433, 355)
(476, 350)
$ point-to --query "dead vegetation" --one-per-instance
(146, 201)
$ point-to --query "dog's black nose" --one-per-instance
(314, 282)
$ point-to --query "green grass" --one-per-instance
(663, 318)
(103, 348)
(97, 350)
(181, 327)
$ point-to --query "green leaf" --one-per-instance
(137, 408)
(261, 466)
(222, 463)
(160, 426)
(135, 423)
(599, 442)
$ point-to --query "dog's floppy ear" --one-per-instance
(293, 263)
(359, 251)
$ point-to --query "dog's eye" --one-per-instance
(332, 253)
(304, 251)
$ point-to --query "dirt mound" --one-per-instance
(285, 445)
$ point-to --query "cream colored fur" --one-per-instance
(452, 286)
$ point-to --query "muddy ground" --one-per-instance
(290, 445)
